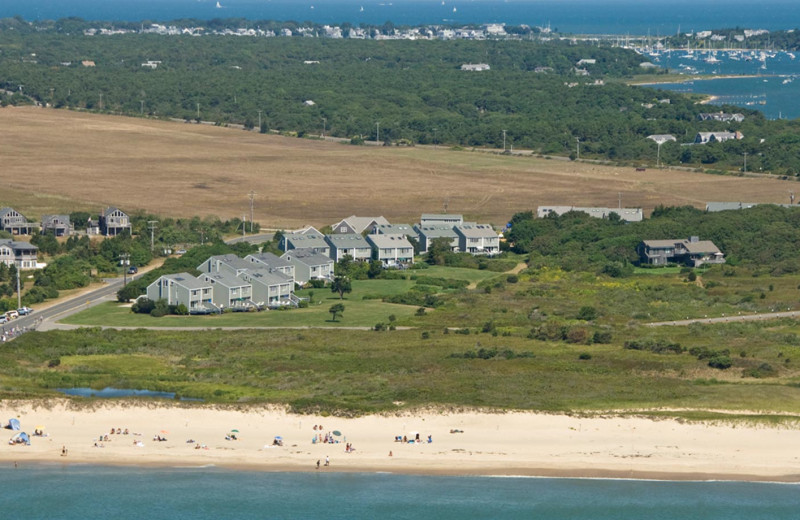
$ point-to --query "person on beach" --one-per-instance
(317, 463)
(327, 460)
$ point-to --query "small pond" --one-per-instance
(110, 392)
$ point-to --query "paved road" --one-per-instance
(728, 319)
(41, 319)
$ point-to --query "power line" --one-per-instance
(252, 196)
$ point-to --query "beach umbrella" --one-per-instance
(337, 433)
(278, 438)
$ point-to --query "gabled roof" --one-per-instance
(347, 240)
(230, 260)
(396, 229)
(359, 224)
(266, 277)
(300, 240)
(389, 241)
(18, 245)
(477, 231)
(6, 211)
(442, 217)
(111, 209)
(187, 280)
(437, 231)
(50, 219)
(307, 256)
(269, 259)
(223, 278)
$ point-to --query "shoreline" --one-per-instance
(466, 472)
(463, 443)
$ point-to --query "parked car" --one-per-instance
(24, 311)
(133, 269)
(11, 315)
(3, 319)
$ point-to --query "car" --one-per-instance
(10, 315)
(24, 311)
(3, 319)
(180, 252)
(133, 269)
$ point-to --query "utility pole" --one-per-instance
(324, 124)
(152, 224)
(101, 101)
(252, 196)
(141, 108)
(124, 261)
(504, 140)
(244, 226)
(378, 132)
(745, 162)
(19, 295)
(578, 147)
(198, 112)
(259, 120)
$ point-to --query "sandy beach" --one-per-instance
(463, 443)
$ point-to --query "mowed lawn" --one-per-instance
(363, 307)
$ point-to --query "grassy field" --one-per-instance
(511, 342)
(201, 169)
(363, 371)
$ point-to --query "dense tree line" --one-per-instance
(764, 237)
(414, 91)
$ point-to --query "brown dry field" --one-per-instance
(57, 161)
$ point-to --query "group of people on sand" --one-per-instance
(119, 431)
(414, 440)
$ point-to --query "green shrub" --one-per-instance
(720, 361)
(585, 356)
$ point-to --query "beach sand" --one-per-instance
(513, 443)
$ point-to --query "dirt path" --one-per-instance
(727, 319)
(516, 270)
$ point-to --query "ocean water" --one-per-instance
(79, 492)
(573, 16)
(772, 88)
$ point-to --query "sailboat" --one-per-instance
(219, 6)
(454, 9)
(362, 9)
